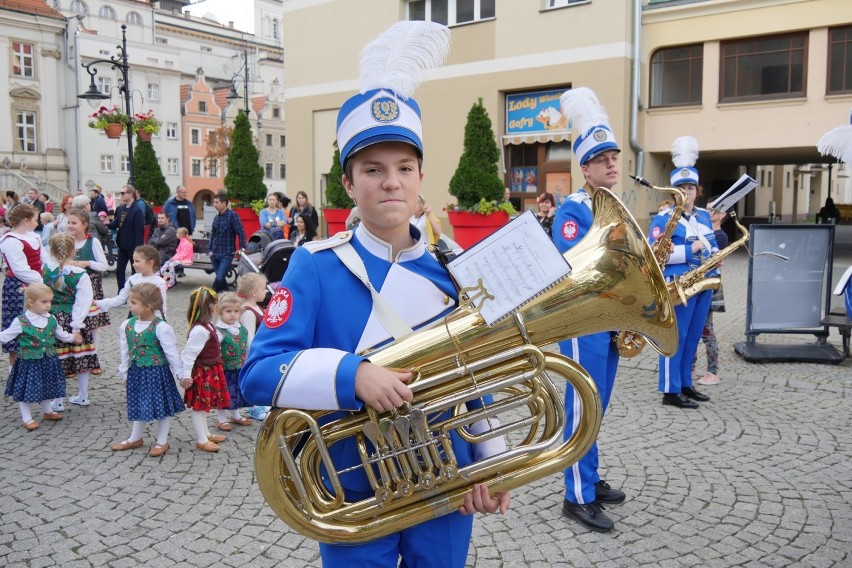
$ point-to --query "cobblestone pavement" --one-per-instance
(760, 476)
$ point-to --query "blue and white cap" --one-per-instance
(684, 156)
(391, 67)
(378, 115)
(590, 118)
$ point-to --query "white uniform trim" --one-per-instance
(361, 118)
(578, 414)
(310, 380)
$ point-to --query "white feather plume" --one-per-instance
(398, 58)
(684, 151)
(837, 142)
(584, 109)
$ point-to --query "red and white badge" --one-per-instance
(570, 230)
(279, 309)
(656, 233)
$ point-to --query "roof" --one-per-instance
(34, 7)
(221, 97)
(258, 103)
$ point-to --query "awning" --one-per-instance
(537, 137)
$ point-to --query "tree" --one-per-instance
(335, 194)
(244, 180)
(476, 177)
(149, 178)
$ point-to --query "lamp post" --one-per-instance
(233, 94)
(116, 62)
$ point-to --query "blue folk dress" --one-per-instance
(37, 373)
(151, 390)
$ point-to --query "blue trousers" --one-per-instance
(599, 356)
(437, 543)
(221, 264)
(676, 371)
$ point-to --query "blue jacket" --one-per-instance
(689, 229)
(131, 232)
(170, 208)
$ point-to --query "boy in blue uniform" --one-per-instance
(598, 154)
(305, 354)
(693, 242)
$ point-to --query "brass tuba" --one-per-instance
(410, 463)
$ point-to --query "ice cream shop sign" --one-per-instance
(536, 111)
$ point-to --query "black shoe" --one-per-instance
(606, 494)
(690, 392)
(677, 399)
(590, 514)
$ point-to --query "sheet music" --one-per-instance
(516, 263)
(740, 189)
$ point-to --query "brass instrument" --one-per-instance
(410, 463)
(694, 282)
(630, 343)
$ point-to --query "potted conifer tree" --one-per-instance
(477, 184)
(338, 204)
(244, 180)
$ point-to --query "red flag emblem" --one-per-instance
(570, 230)
(279, 309)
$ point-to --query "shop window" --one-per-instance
(840, 60)
(764, 68)
(451, 12)
(559, 152)
(677, 75)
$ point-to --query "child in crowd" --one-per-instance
(23, 254)
(252, 290)
(182, 257)
(37, 374)
(203, 376)
(72, 300)
(47, 227)
(149, 364)
(234, 345)
(146, 261)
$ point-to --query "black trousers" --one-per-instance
(124, 256)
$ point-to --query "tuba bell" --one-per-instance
(407, 455)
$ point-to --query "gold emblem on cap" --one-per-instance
(684, 173)
(385, 109)
(600, 135)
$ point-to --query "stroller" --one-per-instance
(271, 262)
(258, 241)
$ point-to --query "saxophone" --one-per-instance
(629, 343)
(694, 282)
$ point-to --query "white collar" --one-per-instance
(381, 249)
(233, 328)
(37, 320)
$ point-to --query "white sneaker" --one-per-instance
(78, 401)
(57, 406)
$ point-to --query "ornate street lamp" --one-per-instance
(116, 62)
(233, 95)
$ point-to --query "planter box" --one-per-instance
(335, 219)
(249, 219)
(470, 228)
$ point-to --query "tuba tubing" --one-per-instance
(615, 284)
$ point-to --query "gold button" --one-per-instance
(446, 300)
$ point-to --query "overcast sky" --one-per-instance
(240, 11)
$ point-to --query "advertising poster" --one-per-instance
(524, 180)
(537, 111)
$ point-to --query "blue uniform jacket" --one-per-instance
(689, 229)
(572, 221)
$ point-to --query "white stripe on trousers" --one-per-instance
(575, 469)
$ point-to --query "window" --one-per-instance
(676, 75)
(269, 139)
(125, 165)
(23, 64)
(268, 170)
(558, 152)
(202, 106)
(171, 130)
(213, 167)
(764, 67)
(104, 85)
(106, 164)
(25, 122)
(282, 171)
(281, 140)
(450, 12)
(195, 136)
(276, 34)
(563, 3)
(106, 12)
(195, 167)
(153, 91)
(840, 60)
(134, 18)
(172, 165)
(79, 7)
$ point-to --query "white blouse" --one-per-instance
(39, 321)
(198, 337)
(124, 294)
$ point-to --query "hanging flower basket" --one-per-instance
(145, 125)
(114, 130)
(110, 120)
(144, 136)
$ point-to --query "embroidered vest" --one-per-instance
(32, 254)
(234, 348)
(144, 347)
(37, 343)
(63, 295)
(211, 353)
(258, 316)
(86, 253)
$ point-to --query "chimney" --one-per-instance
(231, 24)
(186, 14)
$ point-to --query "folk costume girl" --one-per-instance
(22, 251)
(146, 261)
(72, 300)
(234, 343)
(252, 291)
(37, 373)
(90, 256)
(203, 376)
(149, 364)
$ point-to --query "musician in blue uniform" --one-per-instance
(598, 154)
(693, 242)
(306, 352)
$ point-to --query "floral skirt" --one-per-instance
(13, 306)
(100, 319)
(209, 389)
(76, 358)
(35, 380)
(152, 394)
(232, 377)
